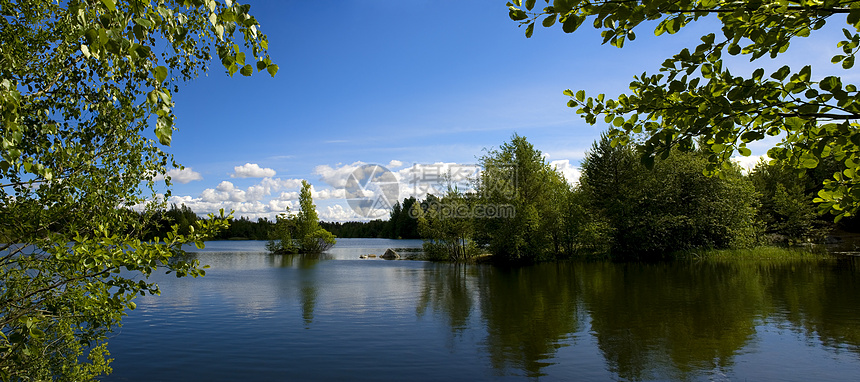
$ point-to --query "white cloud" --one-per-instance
(328, 193)
(253, 202)
(183, 176)
(570, 172)
(280, 206)
(337, 213)
(419, 180)
(336, 177)
(291, 195)
(749, 163)
(225, 191)
(251, 170)
(394, 164)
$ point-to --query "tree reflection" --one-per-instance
(307, 281)
(820, 299)
(449, 289)
(670, 319)
(529, 314)
(298, 261)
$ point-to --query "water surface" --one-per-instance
(262, 317)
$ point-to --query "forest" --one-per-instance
(618, 208)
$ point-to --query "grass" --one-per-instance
(759, 253)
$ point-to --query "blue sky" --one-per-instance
(399, 83)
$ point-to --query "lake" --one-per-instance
(262, 317)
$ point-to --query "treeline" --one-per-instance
(523, 210)
(399, 225)
(182, 216)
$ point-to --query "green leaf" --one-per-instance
(780, 74)
(529, 30)
(247, 70)
(561, 6)
(110, 4)
(549, 21)
(517, 14)
(530, 4)
(571, 23)
(272, 69)
(163, 131)
(143, 22)
(807, 160)
(160, 74)
(848, 63)
(829, 83)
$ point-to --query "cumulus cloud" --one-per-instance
(268, 185)
(291, 195)
(337, 213)
(183, 176)
(336, 176)
(253, 202)
(251, 170)
(281, 206)
(749, 163)
(420, 179)
(570, 172)
(328, 193)
(225, 191)
(394, 164)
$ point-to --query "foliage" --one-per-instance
(584, 231)
(301, 232)
(447, 233)
(281, 237)
(517, 176)
(696, 96)
(244, 228)
(312, 238)
(672, 207)
(400, 224)
(81, 84)
(373, 228)
(786, 207)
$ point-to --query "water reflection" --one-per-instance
(673, 320)
(577, 320)
(670, 320)
(298, 261)
(529, 314)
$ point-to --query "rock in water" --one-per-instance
(390, 255)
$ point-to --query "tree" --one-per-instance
(312, 238)
(281, 236)
(400, 224)
(81, 85)
(517, 176)
(671, 207)
(786, 207)
(446, 226)
(697, 98)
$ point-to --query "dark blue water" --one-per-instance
(260, 317)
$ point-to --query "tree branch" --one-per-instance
(841, 117)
